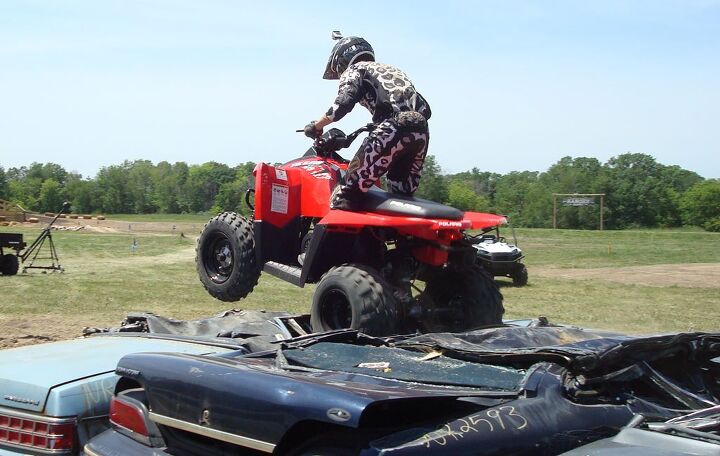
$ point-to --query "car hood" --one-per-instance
(28, 374)
(497, 247)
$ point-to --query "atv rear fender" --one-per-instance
(424, 228)
(439, 233)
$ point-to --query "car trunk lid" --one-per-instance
(28, 374)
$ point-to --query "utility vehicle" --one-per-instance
(499, 257)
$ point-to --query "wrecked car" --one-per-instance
(521, 388)
(55, 396)
(696, 433)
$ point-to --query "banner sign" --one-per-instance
(578, 201)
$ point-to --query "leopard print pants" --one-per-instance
(392, 150)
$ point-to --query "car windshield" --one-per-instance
(406, 365)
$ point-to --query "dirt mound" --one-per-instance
(101, 229)
(16, 332)
(119, 226)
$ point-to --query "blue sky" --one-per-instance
(513, 85)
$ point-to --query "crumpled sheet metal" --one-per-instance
(253, 329)
(577, 349)
(230, 323)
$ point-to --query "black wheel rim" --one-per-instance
(335, 310)
(218, 259)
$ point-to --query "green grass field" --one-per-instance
(104, 280)
(598, 249)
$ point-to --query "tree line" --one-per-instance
(640, 192)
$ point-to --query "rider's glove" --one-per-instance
(311, 131)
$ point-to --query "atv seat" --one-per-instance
(382, 202)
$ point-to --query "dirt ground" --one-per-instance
(118, 226)
(15, 332)
(36, 329)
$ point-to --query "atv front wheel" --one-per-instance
(354, 296)
(461, 300)
(225, 257)
(520, 276)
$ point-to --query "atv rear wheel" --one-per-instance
(520, 276)
(460, 300)
(354, 296)
(225, 257)
(9, 264)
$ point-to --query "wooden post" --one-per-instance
(602, 206)
(554, 211)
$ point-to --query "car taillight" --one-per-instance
(40, 433)
(128, 416)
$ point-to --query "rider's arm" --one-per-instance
(349, 93)
(322, 122)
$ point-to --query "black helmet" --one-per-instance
(345, 53)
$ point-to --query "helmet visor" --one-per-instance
(330, 72)
(330, 68)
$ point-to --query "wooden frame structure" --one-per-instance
(11, 212)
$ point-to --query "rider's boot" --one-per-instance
(346, 198)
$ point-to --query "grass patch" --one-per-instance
(105, 280)
(602, 249)
(603, 305)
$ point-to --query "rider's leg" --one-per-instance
(370, 162)
(404, 173)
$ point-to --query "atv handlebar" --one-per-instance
(334, 139)
(351, 137)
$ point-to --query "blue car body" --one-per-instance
(73, 381)
(508, 390)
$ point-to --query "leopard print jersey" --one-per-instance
(382, 89)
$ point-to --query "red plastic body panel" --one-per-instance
(482, 220)
(431, 255)
(277, 195)
(424, 228)
(301, 187)
(318, 177)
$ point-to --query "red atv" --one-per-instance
(402, 264)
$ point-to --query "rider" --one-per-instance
(398, 143)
